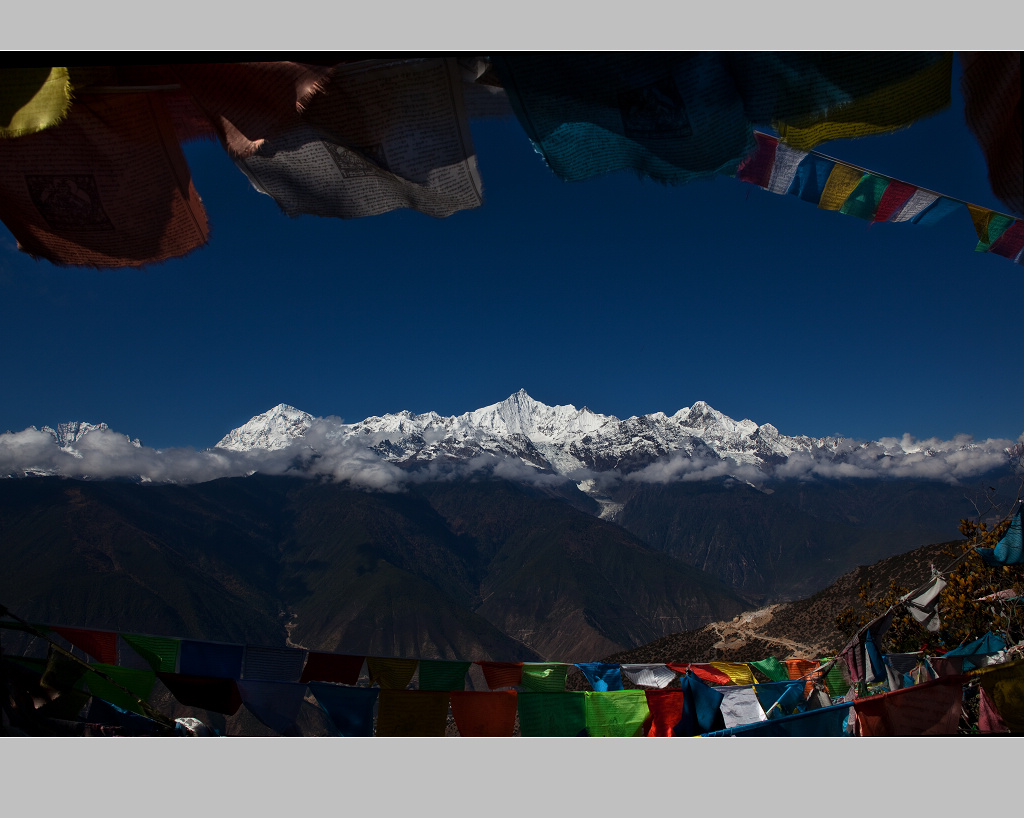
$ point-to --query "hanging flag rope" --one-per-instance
(840, 186)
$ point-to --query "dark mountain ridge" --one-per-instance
(489, 570)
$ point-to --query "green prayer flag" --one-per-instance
(616, 712)
(439, 675)
(835, 679)
(139, 682)
(161, 652)
(863, 202)
(771, 667)
(544, 678)
(552, 714)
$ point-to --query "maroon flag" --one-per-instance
(928, 709)
(108, 187)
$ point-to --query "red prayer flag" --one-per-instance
(895, 196)
(484, 713)
(666, 707)
(1011, 242)
(502, 674)
(247, 102)
(705, 672)
(928, 709)
(108, 187)
(101, 645)
(757, 167)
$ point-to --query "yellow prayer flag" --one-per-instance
(739, 673)
(982, 217)
(32, 99)
(888, 109)
(842, 181)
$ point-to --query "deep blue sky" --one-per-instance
(623, 295)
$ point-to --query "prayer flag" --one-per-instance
(896, 195)
(617, 713)
(101, 645)
(275, 704)
(247, 102)
(928, 709)
(332, 667)
(666, 711)
(1011, 242)
(139, 682)
(653, 675)
(992, 107)
(989, 720)
(937, 210)
(835, 678)
(701, 707)
(205, 692)
(377, 136)
(825, 722)
(1009, 550)
(1004, 685)
(841, 182)
(439, 675)
(32, 99)
(758, 166)
(502, 674)
(210, 659)
(811, 177)
(161, 652)
(349, 708)
(740, 705)
(670, 117)
(412, 712)
(273, 664)
(108, 187)
(915, 205)
(480, 713)
(552, 714)
(803, 668)
(703, 671)
(863, 202)
(391, 674)
(602, 676)
(772, 668)
(893, 106)
(543, 678)
(779, 699)
(787, 160)
(739, 673)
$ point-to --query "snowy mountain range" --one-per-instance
(529, 438)
(560, 439)
(569, 441)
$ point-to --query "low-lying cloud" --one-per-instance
(105, 454)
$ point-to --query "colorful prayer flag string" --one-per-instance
(835, 185)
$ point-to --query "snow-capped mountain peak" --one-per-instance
(275, 429)
(68, 434)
